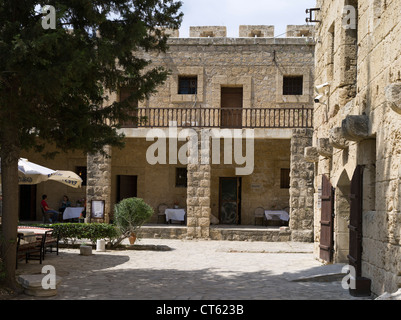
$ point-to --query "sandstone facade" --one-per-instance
(263, 68)
(357, 50)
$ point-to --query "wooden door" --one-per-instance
(355, 225)
(231, 107)
(230, 201)
(327, 221)
(361, 284)
(126, 187)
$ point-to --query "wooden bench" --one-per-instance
(35, 246)
(30, 247)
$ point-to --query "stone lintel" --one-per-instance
(355, 127)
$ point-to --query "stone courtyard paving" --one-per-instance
(191, 270)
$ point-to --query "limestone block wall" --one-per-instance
(99, 183)
(301, 187)
(256, 64)
(360, 64)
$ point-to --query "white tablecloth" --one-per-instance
(282, 215)
(175, 214)
(72, 212)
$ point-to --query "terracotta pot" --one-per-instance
(132, 238)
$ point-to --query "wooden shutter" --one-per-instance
(231, 107)
(326, 224)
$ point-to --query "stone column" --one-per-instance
(99, 183)
(301, 187)
(198, 196)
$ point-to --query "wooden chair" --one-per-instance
(49, 242)
(260, 214)
(46, 216)
(161, 212)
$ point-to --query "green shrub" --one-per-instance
(130, 214)
(68, 232)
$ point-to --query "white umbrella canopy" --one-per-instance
(32, 173)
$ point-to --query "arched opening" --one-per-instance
(341, 221)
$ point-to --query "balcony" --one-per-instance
(232, 118)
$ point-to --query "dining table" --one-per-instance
(277, 215)
(175, 214)
(72, 212)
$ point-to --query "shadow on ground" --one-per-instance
(104, 277)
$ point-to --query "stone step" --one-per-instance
(32, 284)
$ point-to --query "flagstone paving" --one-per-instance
(194, 270)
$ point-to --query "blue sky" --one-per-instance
(233, 13)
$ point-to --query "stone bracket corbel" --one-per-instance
(393, 96)
(324, 148)
(355, 127)
(337, 139)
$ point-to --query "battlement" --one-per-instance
(247, 31)
(251, 31)
(299, 31)
(208, 32)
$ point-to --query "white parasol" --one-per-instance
(32, 173)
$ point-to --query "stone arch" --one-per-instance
(341, 220)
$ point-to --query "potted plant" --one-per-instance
(129, 216)
(176, 205)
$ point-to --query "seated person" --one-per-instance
(64, 204)
(47, 209)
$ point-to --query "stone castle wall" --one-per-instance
(362, 67)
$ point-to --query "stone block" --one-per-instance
(311, 154)
(85, 250)
(355, 128)
(32, 285)
(337, 139)
(393, 96)
(324, 148)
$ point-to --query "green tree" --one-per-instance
(54, 83)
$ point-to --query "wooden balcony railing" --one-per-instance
(223, 118)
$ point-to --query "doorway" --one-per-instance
(231, 107)
(127, 187)
(27, 202)
(230, 201)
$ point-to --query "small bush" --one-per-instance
(68, 232)
(129, 215)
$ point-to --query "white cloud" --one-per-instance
(233, 13)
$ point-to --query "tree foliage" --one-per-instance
(55, 83)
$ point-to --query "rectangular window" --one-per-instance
(293, 85)
(285, 179)
(181, 177)
(188, 85)
(82, 172)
